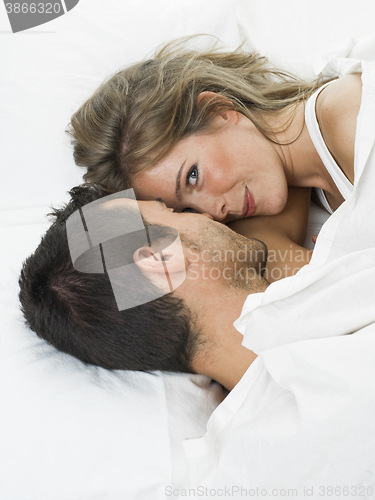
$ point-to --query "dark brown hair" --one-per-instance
(77, 312)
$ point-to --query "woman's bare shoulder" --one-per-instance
(337, 109)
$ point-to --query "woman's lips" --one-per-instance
(249, 204)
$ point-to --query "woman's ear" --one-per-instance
(226, 114)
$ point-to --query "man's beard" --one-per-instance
(226, 256)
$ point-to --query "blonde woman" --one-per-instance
(225, 134)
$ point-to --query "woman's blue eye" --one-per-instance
(192, 176)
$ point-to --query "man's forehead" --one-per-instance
(120, 203)
(110, 217)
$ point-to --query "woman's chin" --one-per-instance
(275, 207)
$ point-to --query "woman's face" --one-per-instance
(231, 173)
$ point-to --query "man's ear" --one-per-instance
(227, 114)
(166, 269)
(147, 261)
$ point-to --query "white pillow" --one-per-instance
(49, 71)
(71, 431)
(294, 33)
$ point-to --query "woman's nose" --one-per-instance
(220, 211)
(217, 210)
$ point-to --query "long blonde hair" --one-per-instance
(136, 117)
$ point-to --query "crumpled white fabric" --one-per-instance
(302, 417)
(301, 421)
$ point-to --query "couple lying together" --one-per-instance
(218, 148)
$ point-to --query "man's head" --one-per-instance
(77, 311)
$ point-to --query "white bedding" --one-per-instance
(70, 431)
(302, 417)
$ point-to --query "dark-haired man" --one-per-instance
(190, 329)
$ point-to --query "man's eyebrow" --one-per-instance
(161, 201)
(178, 182)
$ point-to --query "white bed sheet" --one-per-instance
(301, 418)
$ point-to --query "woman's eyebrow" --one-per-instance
(178, 182)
